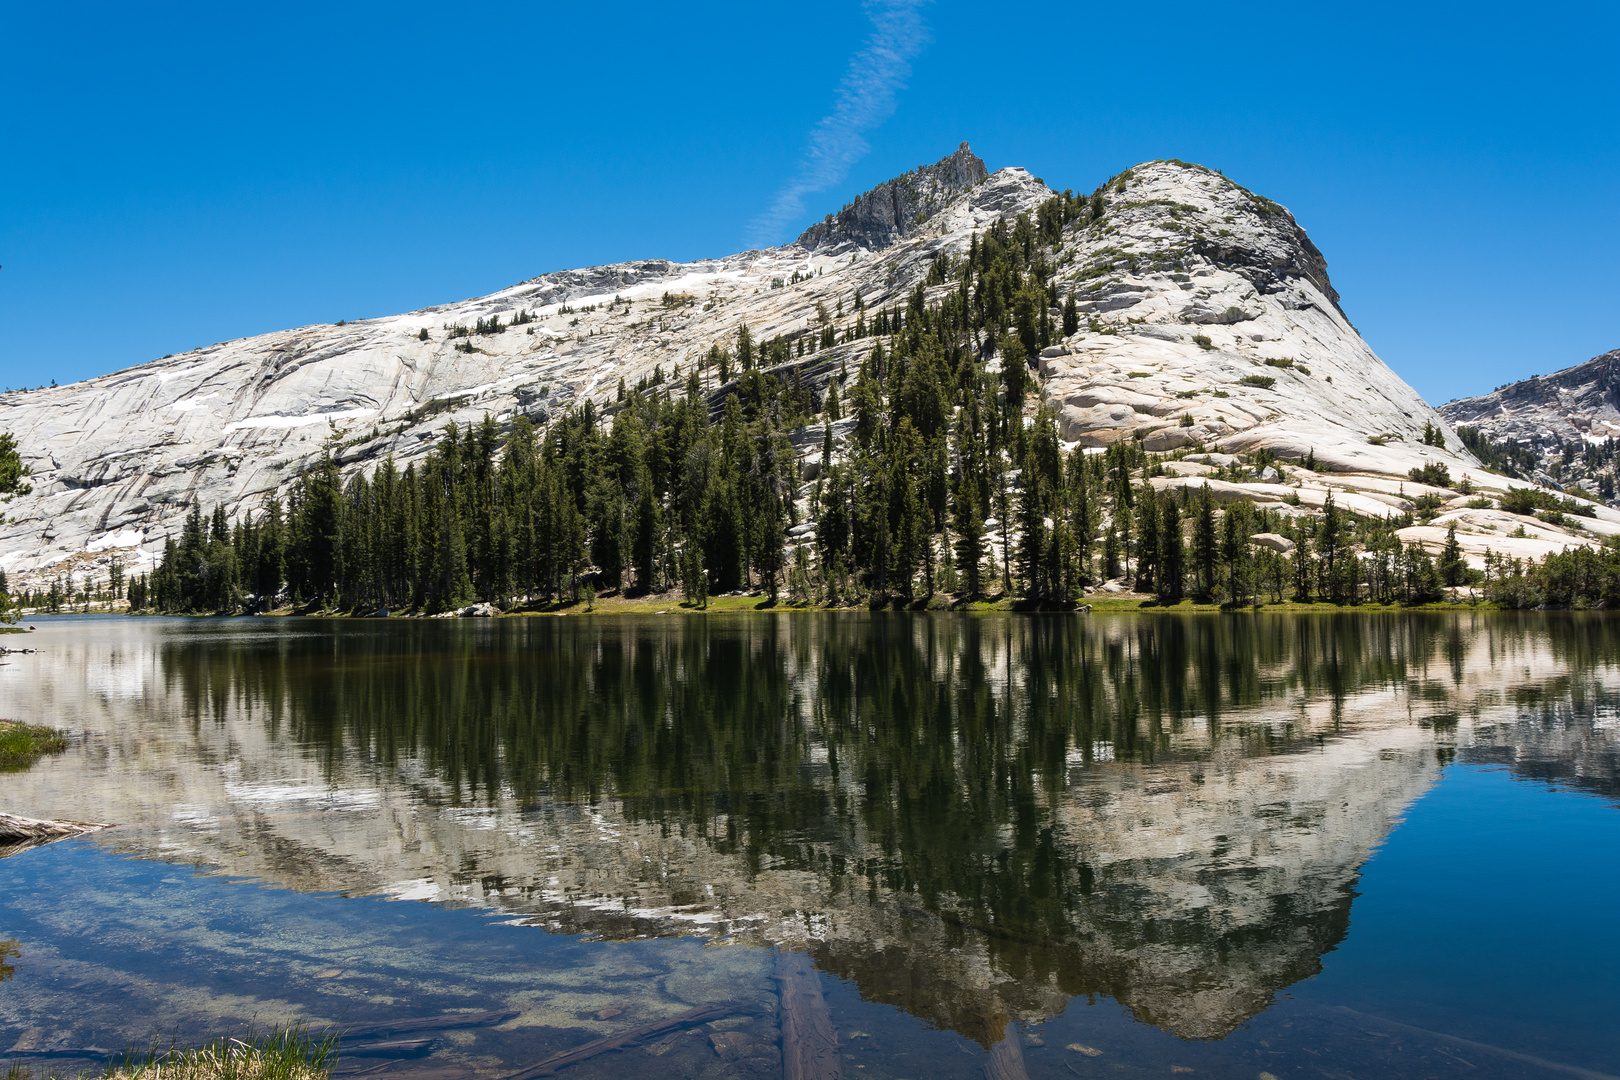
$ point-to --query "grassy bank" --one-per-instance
(290, 1054)
(23, 744)
(672, 604)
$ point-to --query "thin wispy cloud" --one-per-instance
(865, 99)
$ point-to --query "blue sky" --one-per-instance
(177, 175)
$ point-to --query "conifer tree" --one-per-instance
(1453, 569)
(1205, 545)
(967, 521)
(1172, 552)
(1147, 529)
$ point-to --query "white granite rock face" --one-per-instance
(1192, 285)
(1188, 286)
(118, 460)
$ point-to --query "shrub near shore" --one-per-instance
(23, 744)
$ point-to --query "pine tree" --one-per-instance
(1032, 537)
(1014, 376)
(1235, 530)
(1329, 541)
(1205, 547)
(645, 544)
(967, 521)
(1453, 569)
(1303, 567)
(1172, 553)
(1148, 552)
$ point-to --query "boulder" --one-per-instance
(1274, 541)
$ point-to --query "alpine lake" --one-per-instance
(884, 845)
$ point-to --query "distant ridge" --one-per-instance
(1553, 428)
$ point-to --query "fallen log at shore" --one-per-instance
(20, 830)
(809, 1040)
(691, 1018)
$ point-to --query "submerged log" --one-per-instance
(809, 1041)
(1006, 1059)
(70, 1052)
(692, 1017)
(408, 1025)
(394, 1048)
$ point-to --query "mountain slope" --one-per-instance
(1555, 429)
(1206, 322)
(1183, 254)
(117, 460)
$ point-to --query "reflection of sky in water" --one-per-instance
(1194, 851)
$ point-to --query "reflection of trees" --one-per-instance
(916, 762)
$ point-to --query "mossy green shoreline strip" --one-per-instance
(759, 604)
(23, 744)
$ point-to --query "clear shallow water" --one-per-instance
(1365, 846)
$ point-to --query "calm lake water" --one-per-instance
(1247, 846)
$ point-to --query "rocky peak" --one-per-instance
(892, 210)
(1546, 424)
(1205, 215)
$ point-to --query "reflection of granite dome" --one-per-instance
(1127, 814)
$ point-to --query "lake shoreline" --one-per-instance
(761, 603)
(756, 604)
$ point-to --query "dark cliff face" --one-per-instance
(1271, 267)
(889, 212)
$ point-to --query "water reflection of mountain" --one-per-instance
(974, 819)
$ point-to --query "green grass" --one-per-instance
(1100, 603)
(285, 1054)
(23, 744)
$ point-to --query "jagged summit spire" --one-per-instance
(889, 212)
